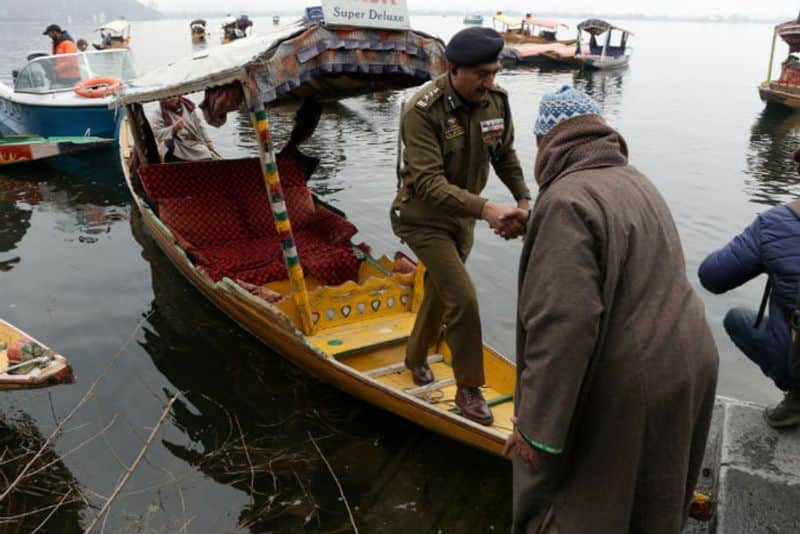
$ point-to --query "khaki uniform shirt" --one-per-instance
(446, 148)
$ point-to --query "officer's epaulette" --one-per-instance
(498, 89)
(427, 99)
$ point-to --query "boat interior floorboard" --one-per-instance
(386, 366)
(364, 335)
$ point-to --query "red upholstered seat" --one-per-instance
(220, 213)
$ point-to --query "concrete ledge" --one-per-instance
(758, 482)
(751, 503)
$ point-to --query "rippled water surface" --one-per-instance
(78, 271)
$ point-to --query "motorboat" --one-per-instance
(65, 95)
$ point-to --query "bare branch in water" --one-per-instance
(133, 466)
(338, 484)
(55, 508)
(249, 463)
(88, 395)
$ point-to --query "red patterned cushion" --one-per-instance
(330, 264)
(264, 274)
(258, 214)
(235, 176)
(203, 220)
(238, 255)
(220, 212)
(331, 227)
(290, 170)
(300, 205)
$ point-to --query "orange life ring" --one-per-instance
(98, 87)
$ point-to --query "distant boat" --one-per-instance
(198, 29)
(276, 20)
(785, 91)
(23, 148)
(26, 363)
(529, 29)
(475, 19)
(115, 34)
(612, 54)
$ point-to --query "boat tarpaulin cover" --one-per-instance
(598, 26)
(350, 61)
(544, 23)
(511, 22)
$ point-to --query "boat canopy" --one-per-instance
(198, 22)
(304, 59)
(597, 26)
(119, 26)
(511, 22)
(544, 23)
(790, 33)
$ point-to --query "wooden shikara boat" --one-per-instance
(609, 55)
(24, 148)
(785, 91)
(529, 30)
(26, 363)
(332, 309)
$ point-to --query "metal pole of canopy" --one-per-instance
(272, 180)
(606, 45)
(772, 55)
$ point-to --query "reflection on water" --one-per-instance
(773, 177)
(47, 487)
(248, 415)
(80, 211)
(605, 86)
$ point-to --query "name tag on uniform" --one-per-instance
(493, 125)
(452, 128)
(492, 130)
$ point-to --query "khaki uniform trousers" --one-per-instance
(450, 301)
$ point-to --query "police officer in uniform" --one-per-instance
(450, 132)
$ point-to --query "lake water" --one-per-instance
(78, 271)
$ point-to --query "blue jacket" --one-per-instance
(771, 244)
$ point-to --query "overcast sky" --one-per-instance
(755, 8)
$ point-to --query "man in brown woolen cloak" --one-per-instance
(616, 364)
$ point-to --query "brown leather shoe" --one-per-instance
(422, 374)
(473, 406)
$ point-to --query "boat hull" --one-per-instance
(24, 118)
(57, 371)
(290, 343)
(597, 63)
(19, 150)
(775, 97)
(270, 326)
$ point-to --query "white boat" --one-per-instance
(44, 103)
(115, 34)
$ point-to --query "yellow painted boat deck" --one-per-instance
(376, 348)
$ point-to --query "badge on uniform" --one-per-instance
(492, 130)
(452, 128)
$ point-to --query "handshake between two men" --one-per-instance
(507, 221)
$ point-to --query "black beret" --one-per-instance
(474, 46)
